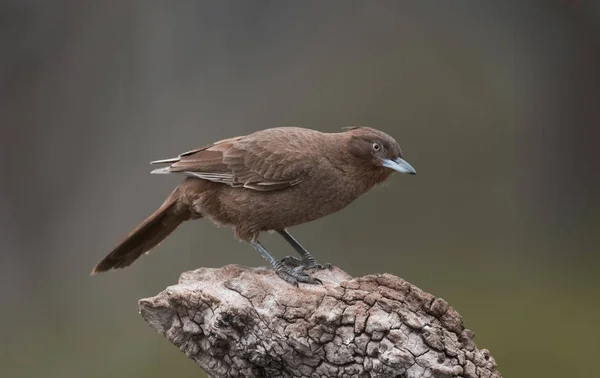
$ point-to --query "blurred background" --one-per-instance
(496, 104)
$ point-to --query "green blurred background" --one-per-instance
(496, 104)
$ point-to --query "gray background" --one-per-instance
(495, 103)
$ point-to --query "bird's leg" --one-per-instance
(307, 261)
(292, 276)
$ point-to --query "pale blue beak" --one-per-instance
(399, 165)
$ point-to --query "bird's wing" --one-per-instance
(263, 164)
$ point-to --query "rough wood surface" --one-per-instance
(247, 322)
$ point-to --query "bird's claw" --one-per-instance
(294, 276)
(291, 261)
(300, 265)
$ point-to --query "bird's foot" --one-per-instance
(304, 264)
(294, 275)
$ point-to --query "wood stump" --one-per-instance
(247, 322)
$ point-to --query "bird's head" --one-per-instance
(378, 149)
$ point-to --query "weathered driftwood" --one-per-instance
(247, 322)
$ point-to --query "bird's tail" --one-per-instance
(147, 235)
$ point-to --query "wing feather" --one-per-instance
(254, 162)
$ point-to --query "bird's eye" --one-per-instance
(376, 146)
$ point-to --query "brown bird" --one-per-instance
(268, 180)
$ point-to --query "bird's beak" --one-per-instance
(399, 165)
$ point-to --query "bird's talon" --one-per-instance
(300, 265)
(318, 266)
(295, 276)
(299, 268)
(291, 261)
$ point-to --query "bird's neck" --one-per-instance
(370, 177)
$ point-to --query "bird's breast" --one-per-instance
(260, 211)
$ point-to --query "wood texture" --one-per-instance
(247, 322)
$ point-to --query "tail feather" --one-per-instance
(147, 235)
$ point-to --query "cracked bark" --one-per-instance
(246, 322)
